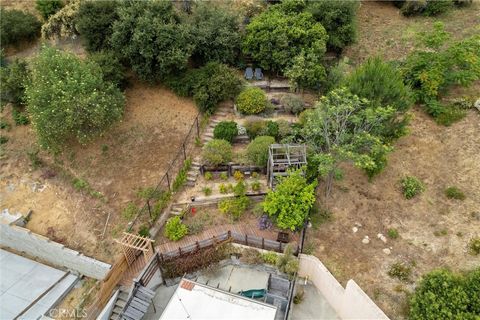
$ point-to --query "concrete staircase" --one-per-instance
(193, 173)
(119, 303)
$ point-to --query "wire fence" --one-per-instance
(174, 177)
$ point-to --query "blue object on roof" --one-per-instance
(258, 74)
(254, 293)
(249, 73)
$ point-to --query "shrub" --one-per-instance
(182, 175)
(208, 176)
(223, 189)
(234, 207)
(270, 258)
(257, 150)
(292, 103)
(437, 7)
(271, 129)
(474, 246)
(207, 191)
(287, 262)
(63, 23)
(401, 271)
(251, 256)
(392, 233)
(299, 296)
(175, 229)
(413, 7)
(216, 152)
(20, 118)
(226, 130)
(94, 23)
(339, 20)
(274, 37)
(306, 71)
(223, 176)
(112, 69)
(256, 186)
(144, 231)
(68, 99)
(284, 129)
(4, 124)
(12, 82)
(130, 211)
(3, 139)
(237, 175)
(454, 193)
(17, 26)
(448, 115)
(411, 187)
(291, 201)
(251, 100)
(254, 128)
(48, 7)
(442, 294)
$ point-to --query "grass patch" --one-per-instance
(392, 233)
(474, 246)
(400, 271)
(411, 187)
(182, 175)
(454, 193)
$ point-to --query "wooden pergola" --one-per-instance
(284, 157)
(133, 244)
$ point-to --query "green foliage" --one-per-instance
(175, 229)
(150, 36)
(63, 23)
(223, 189)
(256, 186)
(130, 211)
(20, 118)
(226, 130)
(216, 152)
(383, 86)
(12, 82)
(144, 231)
(238, 176)
(68, 99)
(292, 103)
(208, 176)
(4, 125)
(454, 193)
(217, 34)
(35, 160)
(474, 246)
(149, 193)
(291, 201)
(207, 191)
(339, 20)
(269, 258)
(3, 139)
(112, 69)
(401, 271)
(209, 85)
(428, 7)
(287, 262)
(411, 187)
(17, 26)
(182, 175)
(251, 100)
(48, 7)
(223, 176)
(305, 71)
(234, 207)
(257, 150)
(276, 36)
(392, 233)
(94, 23)
(437, 7)
(254, 128)
(442, 294)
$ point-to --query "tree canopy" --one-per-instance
(67, 99)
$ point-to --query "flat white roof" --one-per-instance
(195, 301)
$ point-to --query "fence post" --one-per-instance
(198, 246)
(263, 243)
(280, 246)
(198, 126)
(179, 251)
(246, 240)
(184, 152)
(168, 181)
(149, 209)
(229, 234)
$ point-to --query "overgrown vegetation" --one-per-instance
(175, 229)
(48, 7)
(287, 262)
(17, 26)
(216, 152)
(13, 79)
(400, 270)
(257, 150)
(237, 206)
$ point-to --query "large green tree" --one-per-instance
(12, 82)
(68, 99)
(291, 201)
(94, 23)
(150, 36)
(340, 128)
(217, 34)
(275, 37)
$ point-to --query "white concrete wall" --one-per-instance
(349, 303)
(23, 240)
(107, 311)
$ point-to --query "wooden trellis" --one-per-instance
(282, 157)
(133, 245)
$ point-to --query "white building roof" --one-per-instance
(195, 301)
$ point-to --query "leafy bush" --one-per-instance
(217, 34)
(216, 152)
(17, 26)
(271, 129)
(154, 29)
(237, 175)
(447, 115)
(175, 229)
(4, 124)
(48, 7)
(256, 186)
(254, 128)
(411, 187)
(306, 71)
(3, 139)
(437, 7)
(257, 150)
(474, 246)
(207, 191)
(112, 69)
(287, 262)
(208, 85)
(284, 129)
(226, 130)
(144, 231)
(270, 258)
(68, 99)
(223, 176)
(291, 201)
(442, 294)
(413, 7)
(94, 23)
(382, 84)
(63, 23)
(268, 34)
(20, 118)
(454, 193)
(12, 82)
(234, 207)
(223, 189)
(401, 271)
(182, 175)
(208, 176)
(251, 100)
(292, 103)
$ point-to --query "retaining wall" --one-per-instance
(350, 302)
(35, 245)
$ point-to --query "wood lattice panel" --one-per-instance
(132, 244)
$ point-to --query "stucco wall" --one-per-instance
(350, 302)
(23, 240)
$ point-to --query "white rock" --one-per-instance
(383, 238)
(354, 229)
(386, 251)
(379, 235)
(366, 240)
(358, 224)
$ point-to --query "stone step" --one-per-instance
(122, 295)
(117, 309)
(191, 179)
(196, 163)
(121, 303)
(208, 134)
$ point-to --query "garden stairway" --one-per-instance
(193, 173)
(119, 303)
